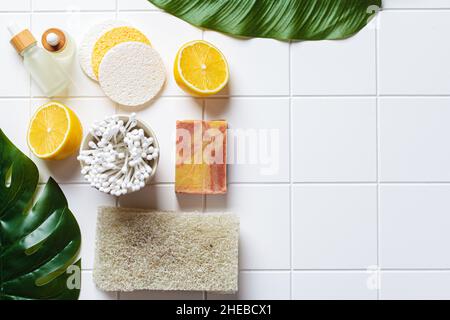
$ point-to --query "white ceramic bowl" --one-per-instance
(148, 133)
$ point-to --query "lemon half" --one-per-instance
(201, 69)
(55, 132)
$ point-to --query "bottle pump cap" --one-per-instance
(54, 40)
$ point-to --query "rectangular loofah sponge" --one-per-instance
(151, 250)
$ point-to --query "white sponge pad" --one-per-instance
(152, 250)
(89, 41)
(132, 73)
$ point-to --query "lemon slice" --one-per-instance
(54, 132)
(201, 69)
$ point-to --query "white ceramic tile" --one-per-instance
(259, 286)
(410, 285)
(257, 66)
(88, 111)
(136, 5)
(16, 5)
(73, 5)
(258, 144)
(14, 79)
(334, 286)
(76, 25)
(334, 139)
(264, 223)
(162, 197)
(167, 34)
(90, 292)
(14, 119)
(83, 202)
(162, 117)
(335, 67)
(414, 222)
(413, 137)
(161, 295)
(416, 4)
(334, 226)
(410, 66)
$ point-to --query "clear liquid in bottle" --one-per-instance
(44, 70)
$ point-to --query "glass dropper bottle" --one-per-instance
(44, 70)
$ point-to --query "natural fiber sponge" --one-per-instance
(152, 250)
(89, 41)
(112, 38)
(132, 73)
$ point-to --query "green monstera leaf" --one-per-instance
(40, 243)
(278, 19)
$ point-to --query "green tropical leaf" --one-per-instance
(39, 242)
(279, 19)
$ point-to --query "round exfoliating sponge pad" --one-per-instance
(112, 38)
(89, 41)
(132, 73)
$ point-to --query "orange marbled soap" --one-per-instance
(201, 166)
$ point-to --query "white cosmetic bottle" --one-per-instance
(45, 71)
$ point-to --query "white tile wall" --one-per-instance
(259, 285)
(413, 226)
(408, 66)
(362, 189)
(415, 285)
(14, 124)
(10, 63)
(264, 218)
(335, 68)
(416, 4)
(334, 285)
(334, 227)
(334, 139)
(73, 5)
(135, 5)
(17, 5)
(413, 134)
(266, 61)
(83, 202)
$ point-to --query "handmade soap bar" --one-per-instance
(201, 153)
(151, 250)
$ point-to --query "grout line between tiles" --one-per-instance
(377, 160)
(331, 270)
(268, 184)
(291, 161)
(204, 295)
(380, 96)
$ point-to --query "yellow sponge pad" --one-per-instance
(112, 38)
(154, 250)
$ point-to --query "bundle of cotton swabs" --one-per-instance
(118, 161)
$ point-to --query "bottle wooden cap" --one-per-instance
(52, 47)
(23, 40)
